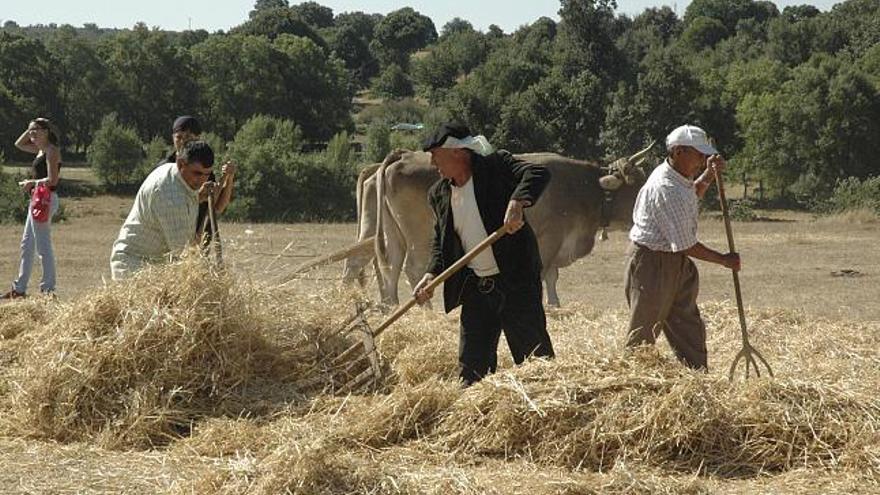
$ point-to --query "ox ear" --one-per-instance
(610, 182)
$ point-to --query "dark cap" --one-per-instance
(186, 123)
(197, 152)
(438, 137)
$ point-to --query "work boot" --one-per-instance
(13, 294)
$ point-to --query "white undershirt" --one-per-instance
(470, 229)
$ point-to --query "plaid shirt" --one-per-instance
(665, 213)
(161, 219)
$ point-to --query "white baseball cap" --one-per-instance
(693, 136)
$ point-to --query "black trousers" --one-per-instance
(491, 305)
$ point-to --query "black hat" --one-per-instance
(186, 123)
(454, 129)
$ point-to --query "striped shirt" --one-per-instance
(665, 213)
(160, 222)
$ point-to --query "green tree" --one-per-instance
(515, 63)
(10, 113)
(704, 32)
(289, 78)
(273, 22)
(339, 153)
(729, 12)
(261, 149)
(277, 182)
(456, 26)
(556, 114)
(13, 202)
(859, 21)
(350, 41)
(86, 88)
(663, 99)
(29, 74)
(156, 79)
(393, 83)
(818, 128)
(236, 80)
(115, 152)
(653, 27)
(155, 153)
(264, 5)
(456, 54)
(314, 14)
(378, 142)
(587, 39)
(401, 33)
(354, 51)
(316, 88)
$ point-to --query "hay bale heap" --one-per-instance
(135, 364)
(595, 420)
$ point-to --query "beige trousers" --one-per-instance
(661, 290)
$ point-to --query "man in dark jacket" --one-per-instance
(481, 190)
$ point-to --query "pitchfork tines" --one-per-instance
(747, 353)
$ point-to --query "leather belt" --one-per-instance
(486, 285)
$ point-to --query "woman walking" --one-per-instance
(41, 140)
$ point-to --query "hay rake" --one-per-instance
(366, 347)
(748, 353)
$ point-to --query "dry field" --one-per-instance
(81, 415)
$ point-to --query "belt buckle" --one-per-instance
(485, 285)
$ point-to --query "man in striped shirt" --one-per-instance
(160, 223)
(661, 280)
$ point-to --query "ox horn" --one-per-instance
(639, 157)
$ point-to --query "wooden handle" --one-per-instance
(439, 279)
(719, 181)
(722, 198)
(333, 257)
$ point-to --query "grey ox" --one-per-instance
(580, 198)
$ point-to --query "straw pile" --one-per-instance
(136, 364)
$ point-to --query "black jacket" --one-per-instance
(498, 178)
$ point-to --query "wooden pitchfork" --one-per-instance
(747, 353)
(214, 243)
(367, 346)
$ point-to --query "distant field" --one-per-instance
(787, 262)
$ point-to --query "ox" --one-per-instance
(581, 198)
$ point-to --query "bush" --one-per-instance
(742, 210)
(276, 182)
(115, 152)
(156, 152)
(393, 83)
(216, 142)
(339, 153)
(378, 142)
(13, 202)
(853, 194)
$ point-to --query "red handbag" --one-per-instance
(41, 202)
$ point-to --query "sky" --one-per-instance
(213, 15)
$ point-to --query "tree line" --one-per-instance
(792, 97)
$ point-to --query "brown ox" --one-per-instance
(392, 203)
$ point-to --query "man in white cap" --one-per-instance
(479, 191)
(661, 280)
